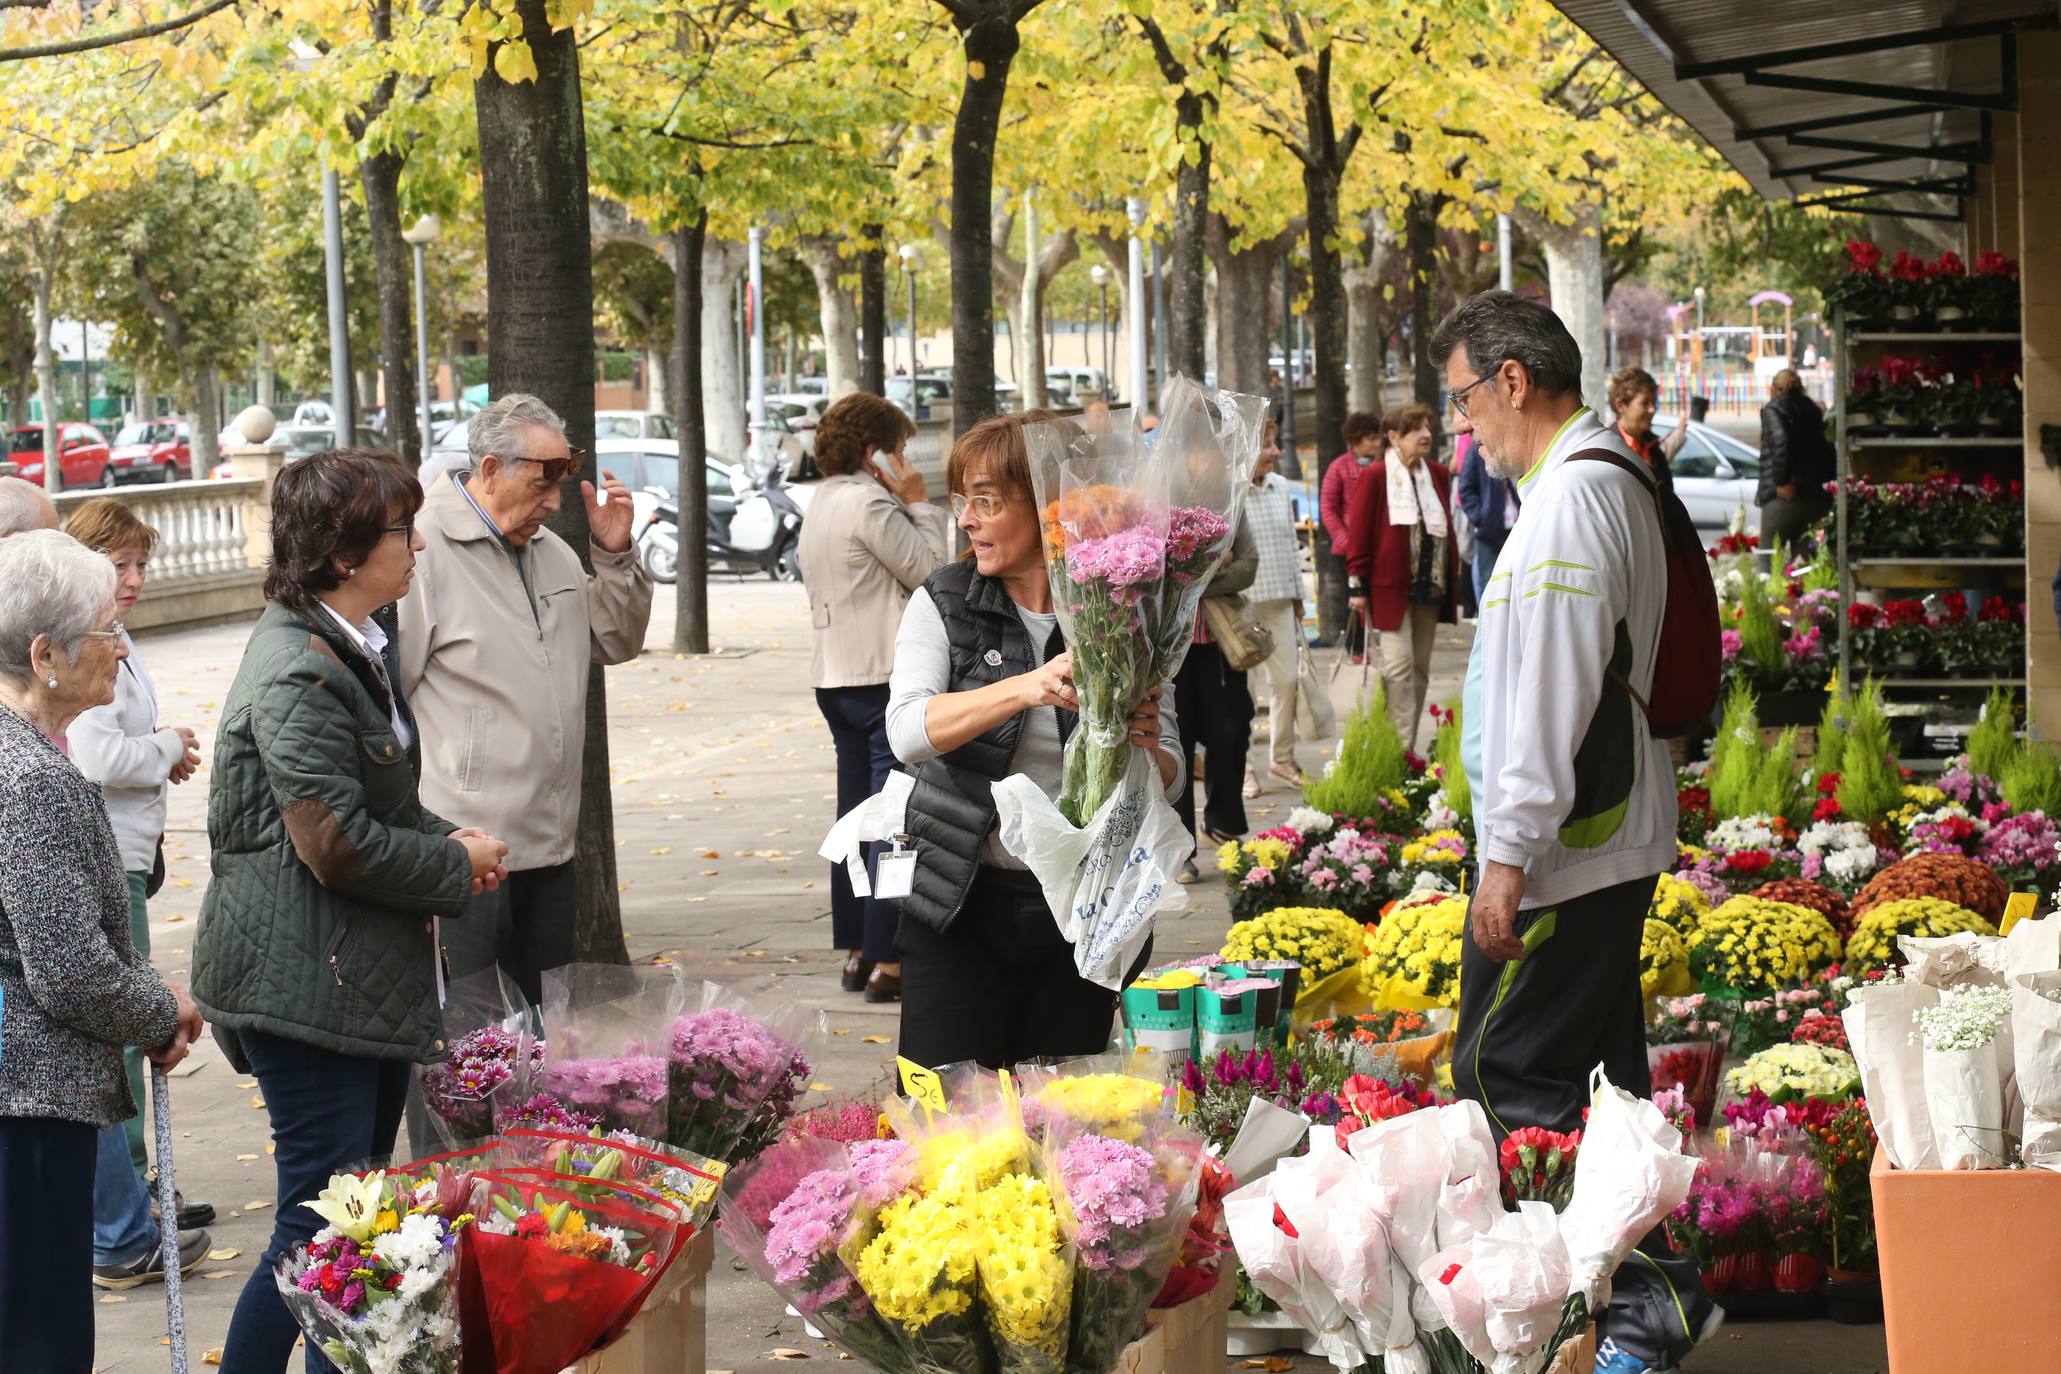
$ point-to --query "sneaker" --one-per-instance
(192, 1215)
(1611, 1359)
(1188, 874)
(150, 1268)
(1252, 784)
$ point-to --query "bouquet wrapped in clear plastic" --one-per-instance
(1135, 524)
(495, 1046)
(605, 1032)
(735, 1066)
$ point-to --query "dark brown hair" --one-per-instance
(329, 507)
(854, 424)
(108, 526)
(1408, 420)
(1361, 424)
(1628, 382)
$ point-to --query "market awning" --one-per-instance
(1880, 107)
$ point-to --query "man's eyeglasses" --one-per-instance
(112, 633)
(1458, 398)
(986, 504)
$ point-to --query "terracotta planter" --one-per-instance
(1799, 1273)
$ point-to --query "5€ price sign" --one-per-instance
(921, 1085)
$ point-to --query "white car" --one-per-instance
(1716, 476)
(634, 424)
(654, 464)
(802, 412)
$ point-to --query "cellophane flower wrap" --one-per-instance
(495, 1047)
(606, 1028)
(376, 1289)
(554, 1268)
(1134, 527)
(735, 1066)
(786, 1215)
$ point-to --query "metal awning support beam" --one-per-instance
(1813, 168)
(1853, 47)
(1869, 90)
(1886, 211)
(1975, 154)
(1950, 186)
(1838, 121)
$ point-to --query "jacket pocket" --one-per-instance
(387, 781)
(339, 946)
(819, 614)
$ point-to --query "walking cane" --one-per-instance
(168, 1216)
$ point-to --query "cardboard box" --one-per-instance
(671, 1338)
(1189, 1339)
(1969, 1260)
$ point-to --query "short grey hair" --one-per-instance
(23, 506)
(502, 428)
(50, 584)
(1499, 326)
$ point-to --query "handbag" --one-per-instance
(1245, 642)
(1314, 716)
(156, 882)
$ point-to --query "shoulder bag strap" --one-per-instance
(1618, 460)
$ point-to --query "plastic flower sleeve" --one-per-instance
(735, 1065)
(1346, 1248)
(1629, 1173)
(1503, 1292)
(1408, 1153)
(492, 1034)
(785, 1215)
(605, 1029)
(1470, 1199)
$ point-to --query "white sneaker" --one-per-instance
(1188, 874)
(1252, 784)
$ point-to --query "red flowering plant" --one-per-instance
(1893, 635)
(1909, 296)
(1368, 1100)
(1538, 1166)
(1992, 293)
(1862, 292)
(1693, 814)
(1817, 1028)
(1843, 1144)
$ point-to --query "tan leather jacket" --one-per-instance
(862, 553)
(498, 678)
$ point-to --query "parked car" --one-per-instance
(803, 412)
(150, 451)
(915, 398)
(634, 424)
(810, 386)
(82, 458)
(1065, 384)
(1715, 475)
(302, 440)
(654, 464)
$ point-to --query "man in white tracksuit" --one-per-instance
(1574, 796)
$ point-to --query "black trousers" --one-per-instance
(46, 1245)
(1530, 1033)
(1789, 520)
(1214, 709)
(857, 717)
(999, 986)
(525, 927)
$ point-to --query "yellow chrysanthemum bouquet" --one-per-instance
(1664, 961)
(1412, 959)
(1678, 902)
(1323, 940)
(1755, 946)
(1875, 935)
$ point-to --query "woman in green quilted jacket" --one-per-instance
(317, 959)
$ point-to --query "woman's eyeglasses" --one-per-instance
(112, 634)
(985, 504)
(406, 531)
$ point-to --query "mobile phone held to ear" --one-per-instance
(885, 465)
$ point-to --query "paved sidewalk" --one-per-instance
(724, 784)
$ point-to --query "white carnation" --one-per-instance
(1310, 821)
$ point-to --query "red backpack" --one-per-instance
(1687, 670)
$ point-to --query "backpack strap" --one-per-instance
(1652, 485)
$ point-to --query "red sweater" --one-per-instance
(1378, 553)
(1335, 499)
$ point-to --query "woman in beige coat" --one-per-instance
(870, 539)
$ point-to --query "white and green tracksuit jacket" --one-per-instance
(1568, 782)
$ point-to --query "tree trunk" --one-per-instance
(380, 176)
(1213, 326)
(990, 40)
(658, 372)
(1421, 233)
(722, 365)
(1327, 330)
(690, 620)
(1245, 280)
(873, 312)
(206, 422)
(840, 325)
(1187, 322)
(1366, 337)
(533, 180)
(1574, 279)
(46, 382)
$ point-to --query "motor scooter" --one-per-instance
(757, 531)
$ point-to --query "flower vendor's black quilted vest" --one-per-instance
(952, 806)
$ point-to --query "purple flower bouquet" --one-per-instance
(732, 1083)
(462, 1091)
(620, 1092)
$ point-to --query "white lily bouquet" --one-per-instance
(1397, 1251)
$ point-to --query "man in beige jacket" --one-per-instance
(496, 638)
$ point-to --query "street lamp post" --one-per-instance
(1135, 325)
(425, 232)
(911, 260)
(1100, 276)
(342, 395)
(1699, 336)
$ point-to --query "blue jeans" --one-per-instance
(122, 1229)
(857, 717)
(46, 1254)
(1485, 555)
(328, 1111)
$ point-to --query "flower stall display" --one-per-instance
(735, 1068)
(1944, 513)
(604, 1044)
(1876, 934)
(1685, 1050)
(1396, 1255)
(1843, 1144)
(1451, 807)
(1907, 638)
(1413, 957)
(1678, 902)
(1814, 895)
(1840, 856)
(375, 1290)
(1966, 1067)
(1438, 860)
(1948, 877)
(2024, 850)
(1663, 961)
(1220, 1091)
(1352, 869)
(1263, 872)
(1372, 773)
(1790, 1071)
(1749, 1209)
(1754, 945)
(1133, 530)
(1323, 940)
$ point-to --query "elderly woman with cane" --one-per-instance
(73, 989)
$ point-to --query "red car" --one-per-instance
(150, 451)
(82, 456)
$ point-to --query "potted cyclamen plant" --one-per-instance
(1993, 292)
(1999, 397)
(1946, 288)
(1909, 299)
(1863, 293)
(1901, 396)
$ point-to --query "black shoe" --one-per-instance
(884, 987)
(150, 1268)
(192, 1215)
(857, 969)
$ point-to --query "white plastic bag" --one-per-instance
(1278, 1263)
(1879, 1024)
(1105, 881)
(1472, 1196)
(1964, 1095)
(1345, 1245)
(2036, 1054)
(1629, 1174)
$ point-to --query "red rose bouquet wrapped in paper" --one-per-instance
(1135, 525)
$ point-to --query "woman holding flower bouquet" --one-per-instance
(317, 956)
(982, 689)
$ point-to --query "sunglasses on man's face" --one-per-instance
(551, 471)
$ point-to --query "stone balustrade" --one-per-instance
(203, 569)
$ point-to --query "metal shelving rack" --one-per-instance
(1844, 342)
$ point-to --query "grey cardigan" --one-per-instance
(75, 988)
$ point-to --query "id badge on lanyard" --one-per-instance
(894, 873)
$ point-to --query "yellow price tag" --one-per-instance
(2019, 907)
(921, 1085)
(1010, 1095)
(1722, 1136)
(1184, 1100)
